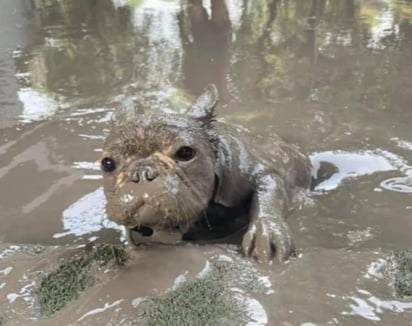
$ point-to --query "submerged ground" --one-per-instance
(331, 76)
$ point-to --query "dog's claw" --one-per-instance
(268, 238)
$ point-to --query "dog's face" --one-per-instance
(158, 170)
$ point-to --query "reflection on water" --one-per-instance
(36, 106)
(106, 306)
(350, 165)
(355, 164)
(368, 306)
(401, 184)
(88, 215)
(330, 76)
(339, 54)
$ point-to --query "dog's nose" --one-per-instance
(149, 173)
(135, 176)
(146, 173)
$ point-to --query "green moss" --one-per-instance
(401, 272)
(72, 276)
(202, 301)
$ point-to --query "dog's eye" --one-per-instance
(185, 153)
(108, 164)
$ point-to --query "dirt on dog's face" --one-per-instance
(158, 170)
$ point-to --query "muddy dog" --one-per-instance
(163, 174)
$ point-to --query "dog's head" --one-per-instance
(158, 170)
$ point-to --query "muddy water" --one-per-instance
(333, 77)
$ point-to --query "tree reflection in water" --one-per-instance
(324, 52)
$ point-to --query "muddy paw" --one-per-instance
(268, 238)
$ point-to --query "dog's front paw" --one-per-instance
(267, 238)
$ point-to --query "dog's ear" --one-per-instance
(203, 109)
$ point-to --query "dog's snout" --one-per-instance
(146, 173)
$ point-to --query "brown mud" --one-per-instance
(332, 77)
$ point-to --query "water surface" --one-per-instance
(333, 77)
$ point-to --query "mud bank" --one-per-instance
(214, 285)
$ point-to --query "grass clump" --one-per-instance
(72, 276)
(400, 265)
(203, 301)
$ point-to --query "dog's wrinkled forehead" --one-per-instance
(135, 133)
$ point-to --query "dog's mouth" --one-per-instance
(149, 235)
(145, 231)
